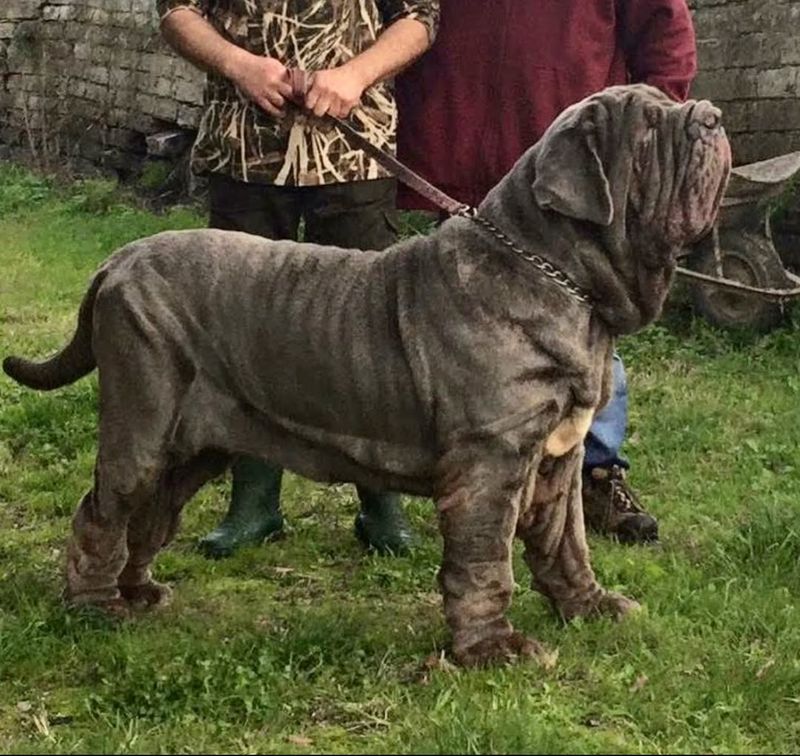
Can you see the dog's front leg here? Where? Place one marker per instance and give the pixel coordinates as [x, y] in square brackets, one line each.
[478, 497]
[555, 542]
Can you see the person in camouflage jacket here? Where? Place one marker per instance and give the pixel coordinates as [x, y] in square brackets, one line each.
[274, 165]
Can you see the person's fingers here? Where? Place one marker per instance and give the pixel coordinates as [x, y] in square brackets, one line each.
[312, 98]
[284, 86]
[323, 105]
[346, 108]
[333, 105]
[270, 108]
[276, 98]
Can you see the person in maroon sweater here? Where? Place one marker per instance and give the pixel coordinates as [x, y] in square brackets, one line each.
[497, 76]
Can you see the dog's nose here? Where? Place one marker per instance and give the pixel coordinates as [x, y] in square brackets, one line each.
[708, 115]
[705, 120]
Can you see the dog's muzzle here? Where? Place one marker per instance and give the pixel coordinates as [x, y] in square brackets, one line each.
[705, 122]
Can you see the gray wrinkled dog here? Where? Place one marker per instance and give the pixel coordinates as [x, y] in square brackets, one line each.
[448, 366]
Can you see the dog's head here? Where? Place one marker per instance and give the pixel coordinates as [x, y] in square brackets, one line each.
[637, 173]
[631, 154]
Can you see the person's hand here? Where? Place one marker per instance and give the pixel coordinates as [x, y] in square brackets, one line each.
[265, 81]
[335, 91]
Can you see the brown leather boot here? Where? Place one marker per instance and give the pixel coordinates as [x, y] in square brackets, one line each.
[611, 508]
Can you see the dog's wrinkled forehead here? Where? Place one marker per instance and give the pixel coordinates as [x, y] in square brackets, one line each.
[621, 103]
[571, 177]
[584, 162]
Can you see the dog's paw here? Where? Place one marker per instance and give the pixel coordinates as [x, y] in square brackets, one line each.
[499, 650]
[616, 605]
[116, 608]
[150, 595]
[595, 603]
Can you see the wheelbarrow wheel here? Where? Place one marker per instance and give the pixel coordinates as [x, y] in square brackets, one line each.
[750, 259]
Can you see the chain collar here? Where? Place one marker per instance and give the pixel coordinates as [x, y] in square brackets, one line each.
[538, 262]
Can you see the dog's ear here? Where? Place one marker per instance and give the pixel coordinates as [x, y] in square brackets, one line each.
[570, 178]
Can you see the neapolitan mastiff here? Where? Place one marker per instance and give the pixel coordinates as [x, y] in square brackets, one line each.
[448, 366]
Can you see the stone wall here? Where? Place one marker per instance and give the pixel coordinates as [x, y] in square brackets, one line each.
[749, 53]
[91, 78]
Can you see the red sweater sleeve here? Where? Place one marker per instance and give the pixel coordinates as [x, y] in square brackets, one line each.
[659, 42]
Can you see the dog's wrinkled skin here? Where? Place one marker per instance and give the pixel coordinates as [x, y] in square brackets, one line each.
[444, 366]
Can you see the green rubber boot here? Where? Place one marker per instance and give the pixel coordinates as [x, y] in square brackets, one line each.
[381, 525]
[255, 511]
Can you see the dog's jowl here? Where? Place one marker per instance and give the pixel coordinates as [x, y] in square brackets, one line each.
[455, 366]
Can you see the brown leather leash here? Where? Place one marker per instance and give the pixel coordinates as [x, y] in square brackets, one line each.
[301, 81]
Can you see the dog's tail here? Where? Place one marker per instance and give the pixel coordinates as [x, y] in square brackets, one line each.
[72, 362]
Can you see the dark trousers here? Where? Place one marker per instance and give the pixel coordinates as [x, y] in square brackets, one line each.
[356, 215]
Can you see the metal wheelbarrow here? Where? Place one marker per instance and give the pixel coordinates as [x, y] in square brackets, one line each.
[738, 277]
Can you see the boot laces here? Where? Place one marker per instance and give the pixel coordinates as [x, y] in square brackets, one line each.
[621, 498]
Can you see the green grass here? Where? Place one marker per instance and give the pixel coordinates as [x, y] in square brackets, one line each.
[308, 644]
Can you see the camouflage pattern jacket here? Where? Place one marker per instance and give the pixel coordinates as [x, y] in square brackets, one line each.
[238, 139]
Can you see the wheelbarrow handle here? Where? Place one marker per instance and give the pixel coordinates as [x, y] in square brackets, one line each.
[727, 283]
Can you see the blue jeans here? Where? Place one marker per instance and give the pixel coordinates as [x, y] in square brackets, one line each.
[604, 440]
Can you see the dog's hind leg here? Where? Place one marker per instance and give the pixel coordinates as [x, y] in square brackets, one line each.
[149, 530]
[97, 551]
[478, 495]
[139, 382]
[155, 523]
[551, 526]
